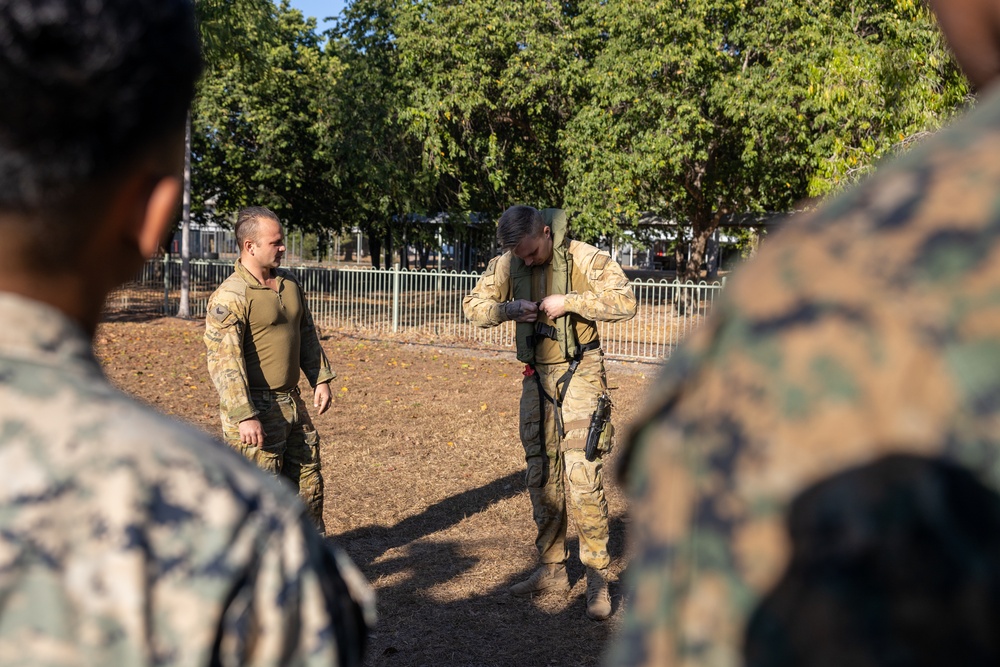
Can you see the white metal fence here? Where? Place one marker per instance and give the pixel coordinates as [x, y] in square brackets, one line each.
[421, 306]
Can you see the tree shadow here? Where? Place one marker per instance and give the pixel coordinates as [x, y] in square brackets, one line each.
[133, 314]
[438, 604]
[376, 540]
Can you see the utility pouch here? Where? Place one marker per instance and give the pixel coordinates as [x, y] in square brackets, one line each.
[532, 412]
[537, 474]
[531, 427]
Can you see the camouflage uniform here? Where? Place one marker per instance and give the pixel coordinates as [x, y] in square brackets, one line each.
[601, 291]
[871, 326]
[127, 538]
[254, 356]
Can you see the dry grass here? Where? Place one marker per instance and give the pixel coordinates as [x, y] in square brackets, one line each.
[424, 489]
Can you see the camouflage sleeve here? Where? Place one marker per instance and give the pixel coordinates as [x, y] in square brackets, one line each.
[225, 323]
[312, 358]
[483, 307]
[305, 604]
[610, 297]
[659, 470]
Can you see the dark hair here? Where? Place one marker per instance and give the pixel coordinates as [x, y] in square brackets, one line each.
[247, 223]
[893, 563]
[516, 223]
[88, 86]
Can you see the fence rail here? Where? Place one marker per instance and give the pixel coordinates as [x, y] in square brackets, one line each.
[422, 305]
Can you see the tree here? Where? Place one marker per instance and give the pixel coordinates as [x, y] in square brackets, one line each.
[230, 29]
[492, 85]
[827, 89]
[381, 178]
[706, 109]
[261, 128]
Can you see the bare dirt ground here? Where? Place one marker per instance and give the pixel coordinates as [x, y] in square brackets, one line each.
[424, 489]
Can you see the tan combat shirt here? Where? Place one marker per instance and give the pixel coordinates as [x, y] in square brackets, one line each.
[600, 292]
[259, 338]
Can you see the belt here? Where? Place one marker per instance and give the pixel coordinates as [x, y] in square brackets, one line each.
[294, 392]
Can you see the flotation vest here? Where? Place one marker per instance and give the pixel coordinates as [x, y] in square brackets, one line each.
[526, 334]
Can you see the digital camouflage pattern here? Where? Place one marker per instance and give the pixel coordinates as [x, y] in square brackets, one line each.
[871, 326]
[127, 538]
[600, 291]
[257, 339]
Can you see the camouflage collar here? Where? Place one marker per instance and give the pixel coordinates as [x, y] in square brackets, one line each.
[33, 330]
[251, 280]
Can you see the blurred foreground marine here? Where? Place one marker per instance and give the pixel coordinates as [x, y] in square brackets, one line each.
[126, 538]
[259, 332]
[869, 327]
[555, 289]
[892, 563]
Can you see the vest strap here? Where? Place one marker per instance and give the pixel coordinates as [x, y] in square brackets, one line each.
[562, 386]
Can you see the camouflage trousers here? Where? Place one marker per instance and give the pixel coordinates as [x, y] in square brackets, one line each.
[291, 446]
[561, 467]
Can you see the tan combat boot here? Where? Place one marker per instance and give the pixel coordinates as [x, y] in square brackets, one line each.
[550, 576]
[598, 598]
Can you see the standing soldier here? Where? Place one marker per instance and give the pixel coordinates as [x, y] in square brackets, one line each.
[555, 289]
[126, 537]
[259, 332]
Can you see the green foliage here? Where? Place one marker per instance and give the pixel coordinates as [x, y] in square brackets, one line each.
[651, 138]
[260, 128]
[828, 88]
[695, 112]
[493, 84]
[705, 109]
[382, 180]
[234, 29]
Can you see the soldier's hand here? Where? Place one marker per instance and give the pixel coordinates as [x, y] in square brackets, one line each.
[252, 432]
[521, 310]
[554, 305]
[322, 398]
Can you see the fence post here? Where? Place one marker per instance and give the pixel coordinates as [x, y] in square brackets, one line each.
[166, 283]
[395, 297]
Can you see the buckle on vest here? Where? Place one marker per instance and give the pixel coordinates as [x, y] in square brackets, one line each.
[546, 330]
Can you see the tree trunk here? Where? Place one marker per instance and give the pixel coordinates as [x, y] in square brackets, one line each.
[690, 270]
[404, 253]
[184, 307]
[348, 249]
[699, 243]
[375, 249]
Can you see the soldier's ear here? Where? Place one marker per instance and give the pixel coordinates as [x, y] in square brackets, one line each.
[159, 216]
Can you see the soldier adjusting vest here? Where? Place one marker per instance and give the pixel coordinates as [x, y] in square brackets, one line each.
[521, 278]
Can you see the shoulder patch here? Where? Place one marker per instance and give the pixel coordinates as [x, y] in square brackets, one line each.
[220, 316]
[601, 260]
[219, 312]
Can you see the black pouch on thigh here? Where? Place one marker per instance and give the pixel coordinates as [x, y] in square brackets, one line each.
[532, 434]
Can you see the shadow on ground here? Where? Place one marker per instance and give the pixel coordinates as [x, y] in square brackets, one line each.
[435, 610]
[133, 314]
